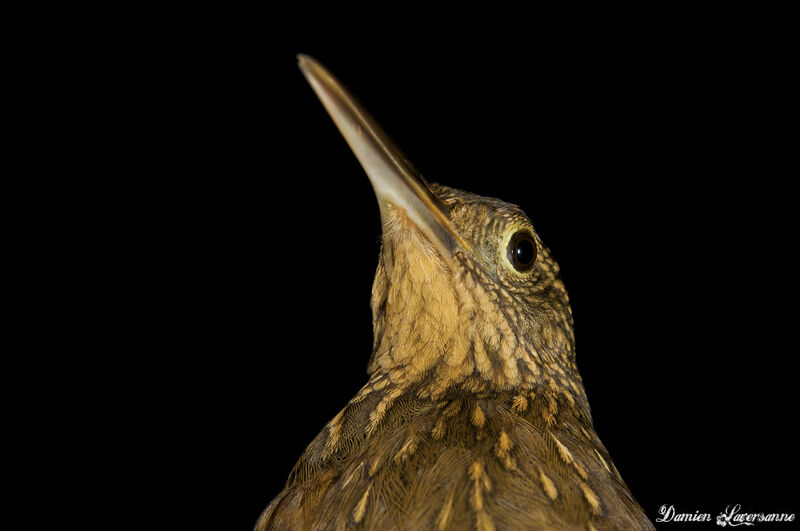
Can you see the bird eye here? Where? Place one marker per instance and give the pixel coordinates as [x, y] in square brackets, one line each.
[522, 251]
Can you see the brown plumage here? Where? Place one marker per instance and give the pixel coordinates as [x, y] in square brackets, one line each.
[474, 415]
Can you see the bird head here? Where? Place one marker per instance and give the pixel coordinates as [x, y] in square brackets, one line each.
[466, 295]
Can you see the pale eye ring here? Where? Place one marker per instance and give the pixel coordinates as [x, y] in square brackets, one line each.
[522, 251]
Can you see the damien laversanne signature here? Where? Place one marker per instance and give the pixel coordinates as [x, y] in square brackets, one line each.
[731, 516]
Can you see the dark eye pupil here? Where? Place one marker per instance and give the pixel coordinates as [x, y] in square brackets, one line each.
[522, 251]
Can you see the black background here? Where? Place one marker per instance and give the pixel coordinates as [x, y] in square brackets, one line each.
[653, 160]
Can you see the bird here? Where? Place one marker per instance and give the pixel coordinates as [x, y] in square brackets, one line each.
[474, 415]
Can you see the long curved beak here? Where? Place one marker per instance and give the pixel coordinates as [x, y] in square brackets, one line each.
[396, 182]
